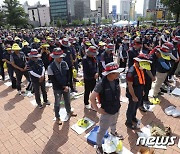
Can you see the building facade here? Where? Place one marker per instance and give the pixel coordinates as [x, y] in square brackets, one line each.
[105, 7]
[58, 10]
[38, 14]
[125, 9]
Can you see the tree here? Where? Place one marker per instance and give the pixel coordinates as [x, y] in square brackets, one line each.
[173, 6]
[2, 18]
[15, 14]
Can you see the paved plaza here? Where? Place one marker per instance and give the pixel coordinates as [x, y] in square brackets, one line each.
[24, 128]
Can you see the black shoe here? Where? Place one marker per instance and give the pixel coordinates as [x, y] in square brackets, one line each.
[47, 103]
[142, 109]
[40, 106]
[135, 120]
[131, 126]
[99, 150]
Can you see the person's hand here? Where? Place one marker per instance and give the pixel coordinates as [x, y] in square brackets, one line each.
[21, 69]
[25, 69]
[122, 59]
[135, 99]
[41, 79]
[96, 76]
[101, 111]
[143, 93]
[66, 89]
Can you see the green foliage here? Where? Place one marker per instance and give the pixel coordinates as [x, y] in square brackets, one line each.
[2, 18]
[61, 23]
[173, 6]
[106, 21]
[15, 15]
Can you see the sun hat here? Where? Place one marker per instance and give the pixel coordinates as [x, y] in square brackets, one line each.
[92, 51]
[112, 68]
[58, 53]
[16, 47]
[34, 54]
[64, 42]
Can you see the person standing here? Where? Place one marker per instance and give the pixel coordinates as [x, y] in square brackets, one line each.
[108, 91]
[37, 75]
[90, 73]
[1, 61]
[134, 91]
[58, 72]
[18, 61]
[6, 58]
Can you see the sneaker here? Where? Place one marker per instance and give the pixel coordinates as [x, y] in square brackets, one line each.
[19, 92]
[88, 106]
[131, 126]
[142, 109]
[40, 106]
[99, 150]
[58, 121]
[117, 135]
[47, 103]
[72, 114]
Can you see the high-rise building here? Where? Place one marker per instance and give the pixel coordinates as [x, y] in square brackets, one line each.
[125, 9]
[146, 7]
[105, 7]
[38, 14]
[58, 9]
[78, 9]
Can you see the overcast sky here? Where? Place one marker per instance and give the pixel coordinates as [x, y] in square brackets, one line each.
[139, 4]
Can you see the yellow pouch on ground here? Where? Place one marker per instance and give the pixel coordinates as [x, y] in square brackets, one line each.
[145, 65]
[155, 101]
[74, 73]
[165, 57]
[119, 146]
[83, 123]
[80, 83]
[5, 65]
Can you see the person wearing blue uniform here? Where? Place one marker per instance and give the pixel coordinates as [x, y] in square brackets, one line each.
[37, 74]
[108, 91]
[90, 69]
[58, 72]
[6, 58]
[18, 61]
[135, 89]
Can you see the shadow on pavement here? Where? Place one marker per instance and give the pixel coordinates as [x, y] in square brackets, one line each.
[58, 138]
[28, 125]
[10, 104]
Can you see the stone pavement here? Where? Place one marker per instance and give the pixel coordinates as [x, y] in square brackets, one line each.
[27, 129]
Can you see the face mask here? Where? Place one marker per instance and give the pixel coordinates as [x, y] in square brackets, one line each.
[165, 57]
[145, 65]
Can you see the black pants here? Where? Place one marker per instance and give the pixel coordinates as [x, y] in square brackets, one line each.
[11, 76]
[173, 69]
[123, 64]
[37, 87]
[131, 111]
[88, 88]
[2, 69]
[19, 75]
[71, 78]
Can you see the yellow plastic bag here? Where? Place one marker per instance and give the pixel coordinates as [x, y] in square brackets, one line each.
[5, 65]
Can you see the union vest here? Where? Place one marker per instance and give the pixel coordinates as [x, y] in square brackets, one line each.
[60, 75]
[36, 67]
[20, 60]
[138, 88]
[109, 99]
[107, 58]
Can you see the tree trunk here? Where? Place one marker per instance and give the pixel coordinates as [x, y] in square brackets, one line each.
[177, 18]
